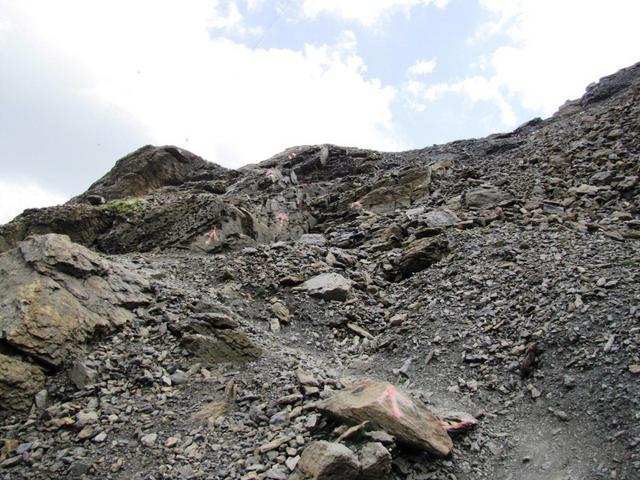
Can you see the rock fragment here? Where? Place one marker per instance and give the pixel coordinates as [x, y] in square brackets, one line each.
[375, 461]
[329, 286]
[486, 197]
[324, 460]
[422, 254]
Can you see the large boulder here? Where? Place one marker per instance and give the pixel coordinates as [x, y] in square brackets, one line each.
[329, 286]
[388, 408]
[55, 295]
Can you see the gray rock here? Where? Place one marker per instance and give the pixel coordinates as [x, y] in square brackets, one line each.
[375, 461]
[224, 346]
[81, 375]
[329, 286]
[179, 377]
[42, 399]
[86, 418]
[78, 469]
[313, 239]
[486, 197]
[149, 440]
[324, 460]
[440, 218]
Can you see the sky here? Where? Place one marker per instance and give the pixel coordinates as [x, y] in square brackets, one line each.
[84, 82]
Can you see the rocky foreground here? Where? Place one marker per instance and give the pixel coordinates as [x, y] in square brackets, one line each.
[464, 311]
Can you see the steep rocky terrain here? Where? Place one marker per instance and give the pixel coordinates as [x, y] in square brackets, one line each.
[182, 320]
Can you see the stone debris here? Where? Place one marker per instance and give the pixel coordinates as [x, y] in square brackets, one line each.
[496, 276]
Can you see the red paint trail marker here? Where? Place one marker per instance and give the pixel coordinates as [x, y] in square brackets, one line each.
[211, 235]
[394, 397]
[458, 426]
[269, 174]
[282, 217]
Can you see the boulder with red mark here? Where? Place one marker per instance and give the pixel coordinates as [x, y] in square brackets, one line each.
[392, 410]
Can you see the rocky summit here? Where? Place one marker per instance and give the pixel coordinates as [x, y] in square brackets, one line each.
[463, 311]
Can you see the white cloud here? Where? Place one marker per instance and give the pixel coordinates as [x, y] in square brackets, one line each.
[558, 47]
[476, 89]
[551, 51]
[422, 67]
[366, 12]
[157, 61]
[17, 195]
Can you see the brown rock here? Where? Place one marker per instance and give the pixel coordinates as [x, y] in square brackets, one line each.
[305, 378]
[390, 193]
[148, 169]
[224, 346]
[422, 254]
[281, 311]
[55, 294]
[392, 410]
[19, 382]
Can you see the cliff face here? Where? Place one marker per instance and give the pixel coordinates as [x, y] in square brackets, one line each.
[498, 276]
[584, 158]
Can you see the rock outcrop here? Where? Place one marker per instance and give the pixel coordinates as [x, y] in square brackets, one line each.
[149, 168]
[55, 296]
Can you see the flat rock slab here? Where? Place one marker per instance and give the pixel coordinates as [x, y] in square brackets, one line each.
[223, 346]
[487, 197]
[392, 410]
[329, 286]
[440, 218]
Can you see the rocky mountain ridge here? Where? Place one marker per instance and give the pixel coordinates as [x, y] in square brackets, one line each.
[219, 310]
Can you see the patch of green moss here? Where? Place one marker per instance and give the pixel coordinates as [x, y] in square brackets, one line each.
[123, 207]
